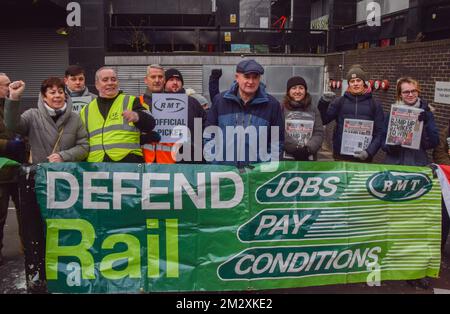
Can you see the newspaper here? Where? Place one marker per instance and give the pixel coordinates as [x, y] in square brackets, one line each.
[356, 136]
[404, 127]
[300, 130]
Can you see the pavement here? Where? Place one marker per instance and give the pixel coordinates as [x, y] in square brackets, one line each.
[12, 272]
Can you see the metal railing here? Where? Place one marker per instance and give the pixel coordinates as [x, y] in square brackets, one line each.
[156, 39]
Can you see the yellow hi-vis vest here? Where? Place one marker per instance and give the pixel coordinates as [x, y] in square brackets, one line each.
[114, 136]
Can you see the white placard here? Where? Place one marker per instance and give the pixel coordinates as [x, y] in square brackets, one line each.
[404, 127]
[263, 22]
[78, 103]
[442, 93]
[170, 112]
[356, 136]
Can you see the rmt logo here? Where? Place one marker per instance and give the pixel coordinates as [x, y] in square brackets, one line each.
[74, 17]
[374, 14]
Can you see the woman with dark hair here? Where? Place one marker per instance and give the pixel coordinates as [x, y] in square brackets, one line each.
[303, 125]
[408, 92]
[56, 134]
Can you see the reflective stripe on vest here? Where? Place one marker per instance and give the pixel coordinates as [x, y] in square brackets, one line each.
[161, 153]
[113, 136]
[141, 100]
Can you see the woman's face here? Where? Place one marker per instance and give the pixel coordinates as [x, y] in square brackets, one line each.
[409, 93]
[55, 97]
[297, 93]
[356, 86]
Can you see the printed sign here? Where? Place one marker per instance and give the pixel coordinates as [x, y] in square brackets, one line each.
[404, 127]
[442, 93]
[170, 113]
[115, 227]
[227, 36]
[356, 136]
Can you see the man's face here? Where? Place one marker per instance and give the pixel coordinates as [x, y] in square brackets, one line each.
[173, 85]
[4, 86]
[75, 83]
[155, 80]
[107, 84]
[248, 83]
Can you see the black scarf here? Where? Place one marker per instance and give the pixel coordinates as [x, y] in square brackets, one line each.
[298, 105]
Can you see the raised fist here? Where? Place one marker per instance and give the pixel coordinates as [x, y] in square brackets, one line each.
[16, 90]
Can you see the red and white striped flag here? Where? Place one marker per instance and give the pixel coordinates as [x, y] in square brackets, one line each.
[444, 178]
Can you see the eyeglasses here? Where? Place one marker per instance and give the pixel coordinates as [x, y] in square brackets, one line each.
[409, 92]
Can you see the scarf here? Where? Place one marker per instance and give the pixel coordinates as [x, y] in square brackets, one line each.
[296, 105]
[416, 105]
[55, 114]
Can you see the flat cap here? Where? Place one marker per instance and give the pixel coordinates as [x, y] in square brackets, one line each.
[249, 66]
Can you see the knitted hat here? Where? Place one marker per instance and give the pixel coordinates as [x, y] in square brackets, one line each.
[294, 81]
[173, 73]
[356, 72]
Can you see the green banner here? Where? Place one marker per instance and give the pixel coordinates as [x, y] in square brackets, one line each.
[132, 227]
[5, 162]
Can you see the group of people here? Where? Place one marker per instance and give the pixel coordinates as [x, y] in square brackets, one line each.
[117, 127]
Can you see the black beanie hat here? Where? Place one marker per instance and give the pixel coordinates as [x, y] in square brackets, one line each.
[173, 73]
[296, 80]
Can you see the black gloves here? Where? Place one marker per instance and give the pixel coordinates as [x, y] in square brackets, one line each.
[151, 137]
[324, 102]
[394, 149]
[216, 73]
[423, 116]
[301, 153]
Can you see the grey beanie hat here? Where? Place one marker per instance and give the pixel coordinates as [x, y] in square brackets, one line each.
[356, 72]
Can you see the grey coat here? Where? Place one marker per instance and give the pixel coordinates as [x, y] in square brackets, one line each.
[43, 132]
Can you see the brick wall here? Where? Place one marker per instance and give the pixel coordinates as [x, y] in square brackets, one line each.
[427, 62]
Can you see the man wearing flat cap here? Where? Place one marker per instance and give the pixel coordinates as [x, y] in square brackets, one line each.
[255, 115]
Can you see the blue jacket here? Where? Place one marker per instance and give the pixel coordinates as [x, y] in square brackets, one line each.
[213, 87]
[363, 107]
[263, 110]
[413, 157]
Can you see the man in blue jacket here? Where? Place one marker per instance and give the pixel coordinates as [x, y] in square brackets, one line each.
[356, 104]
[249, 122]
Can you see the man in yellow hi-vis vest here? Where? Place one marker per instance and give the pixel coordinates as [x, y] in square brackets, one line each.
[114, 122]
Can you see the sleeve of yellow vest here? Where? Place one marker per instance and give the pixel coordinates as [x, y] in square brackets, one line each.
[146, 121]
